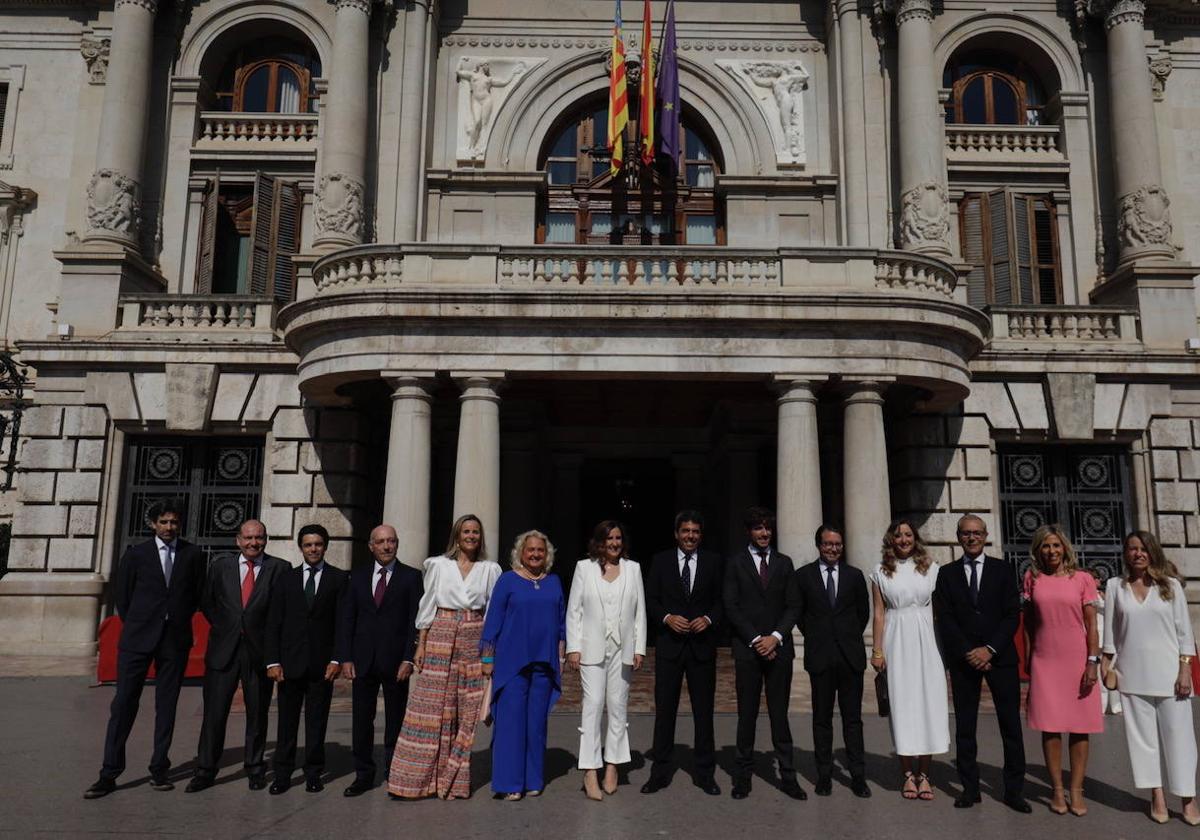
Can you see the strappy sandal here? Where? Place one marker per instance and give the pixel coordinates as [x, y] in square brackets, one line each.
[924, 788]
[909, 789]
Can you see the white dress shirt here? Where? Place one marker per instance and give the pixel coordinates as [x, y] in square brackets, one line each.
[758, 561]
[837, 572]
[447, 589]
[166, 550]
[978, 570]
[242, 568]
[694, 564]
[386, 571]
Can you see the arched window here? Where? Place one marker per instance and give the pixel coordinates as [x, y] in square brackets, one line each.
[662, 205]
[270, 76]
[989, 87]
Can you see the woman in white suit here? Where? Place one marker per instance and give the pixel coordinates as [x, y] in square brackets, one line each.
[606, 641]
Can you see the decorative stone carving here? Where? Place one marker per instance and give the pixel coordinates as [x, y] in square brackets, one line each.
[777, 88]
[339, 205]
[1145, 218]
[1160, 68]
[95, 56]
[925, 217]
[363, 6]
[697, 45]
[113, 203]
[483, 86]
[150, 6]
[14, 201]
[906, 10]
[1116, 12]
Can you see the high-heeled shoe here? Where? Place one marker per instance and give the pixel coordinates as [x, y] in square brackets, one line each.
[1190, 820]
[611, 789]
[1078, 808]
[1060, 796]
[1158, 817]
[591, 786]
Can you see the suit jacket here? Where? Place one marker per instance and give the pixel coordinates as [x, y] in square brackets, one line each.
[148, 606]
[752, 610]
[665, 596]
[992, 620]
[585, 613]
[384, 636]
[222, 606]
[301, 638]
[832, 633]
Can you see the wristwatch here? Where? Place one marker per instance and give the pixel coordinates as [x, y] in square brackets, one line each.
[1093, 660]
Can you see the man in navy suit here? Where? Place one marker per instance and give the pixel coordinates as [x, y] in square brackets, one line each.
[683, 598]
[157, 590]
[377, 639]
[301, 630]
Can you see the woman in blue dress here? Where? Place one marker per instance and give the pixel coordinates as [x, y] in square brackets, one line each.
[522, 643]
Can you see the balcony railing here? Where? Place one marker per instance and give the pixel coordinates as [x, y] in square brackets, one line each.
[223, 316]
[222, 128]
[1004, 141]
[1092, 324]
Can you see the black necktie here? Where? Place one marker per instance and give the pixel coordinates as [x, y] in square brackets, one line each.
[830, 590]
[974, 581]
[686, 575]
[310, 586]
[763, 573]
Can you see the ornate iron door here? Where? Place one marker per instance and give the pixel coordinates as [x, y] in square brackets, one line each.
[1083, 488]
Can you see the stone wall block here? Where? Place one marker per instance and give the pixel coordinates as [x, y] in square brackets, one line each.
[341, 425]
[283, 456]
[340, 553]
[27, 553]
[333, 489]
[42, 421]
[1189, 464]
[48, 454]
[974, 432]
[1171, 432]
[289, 488]
[36, 487]
[89, 454]
[74, 553]
[922, 430]
[333, 519]
[82, 521]
[924, 495]
[40, 520]
[295, 424]
[85, 421]
[929, 462]
[1175, 496]
[1191, 527]
[1171, 529]
[278, 521]
[990, 399]
[333, 457]
[79, 487]
[1196, 434]
[1165, 463]
[970, 496]
[978, 461]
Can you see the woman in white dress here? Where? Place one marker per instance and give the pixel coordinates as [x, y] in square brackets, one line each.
[606, 641]
[905, 648]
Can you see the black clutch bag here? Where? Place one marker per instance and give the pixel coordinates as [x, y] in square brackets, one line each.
[881, 693]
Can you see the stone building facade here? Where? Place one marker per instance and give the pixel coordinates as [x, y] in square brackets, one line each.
[360, 261]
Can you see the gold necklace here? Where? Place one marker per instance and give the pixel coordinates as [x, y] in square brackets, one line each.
[536, 581]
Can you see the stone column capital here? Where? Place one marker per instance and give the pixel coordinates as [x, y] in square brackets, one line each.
[409, 385]
[363, 6]
[910, 10]
[864, 391]
[1116, 12]
[479, 385]
[796, 388]
[150, 6]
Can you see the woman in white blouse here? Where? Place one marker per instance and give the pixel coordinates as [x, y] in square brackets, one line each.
[433, 752]
[1148, 642]
[606, 641]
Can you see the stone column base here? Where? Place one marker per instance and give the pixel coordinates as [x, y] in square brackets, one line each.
[49, 615]
[1164, 294]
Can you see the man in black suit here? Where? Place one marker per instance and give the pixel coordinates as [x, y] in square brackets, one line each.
[977, 604]
[301, 631]
[834, 611]
[683, 598]
[157, 589]
[377, 639]
[761, 607]
[237, 595]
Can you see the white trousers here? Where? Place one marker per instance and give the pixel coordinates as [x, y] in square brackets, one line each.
[606, 684]
[1161, 725]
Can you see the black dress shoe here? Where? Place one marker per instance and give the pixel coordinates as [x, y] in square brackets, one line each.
[824, 786]
[358, 788]
[653, 785]
[792, 789]
[161, 782]
[966, 800]
[1018, 804]
[313, 784]
[197, 784]
[859, 788]
[740, 790]
[258, 781]
[279, 786]
[101, 787]
[709, 786]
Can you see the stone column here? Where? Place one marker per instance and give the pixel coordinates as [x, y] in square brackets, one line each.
[412, 119]
[114, 193]
[406, 488]
[866, 488]
[924, 202]
[798, 470]
[1144, 216]
[853, 190]
[477, 467]
[340, 197]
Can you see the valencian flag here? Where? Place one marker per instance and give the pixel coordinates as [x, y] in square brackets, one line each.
[618, 99]
[668, 91]
[646, 114]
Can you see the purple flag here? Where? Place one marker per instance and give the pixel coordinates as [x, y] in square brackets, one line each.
[669, 143]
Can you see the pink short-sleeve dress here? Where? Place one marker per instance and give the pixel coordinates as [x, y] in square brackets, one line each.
[1056, 625]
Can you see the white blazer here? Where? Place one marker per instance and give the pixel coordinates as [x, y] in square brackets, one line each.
[585, 613]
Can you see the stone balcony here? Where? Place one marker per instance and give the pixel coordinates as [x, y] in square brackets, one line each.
[196, 318]
[1101, 327]
[1002, 146]
[224, 133]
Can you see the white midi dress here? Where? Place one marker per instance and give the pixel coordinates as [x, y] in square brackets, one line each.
[916, 676]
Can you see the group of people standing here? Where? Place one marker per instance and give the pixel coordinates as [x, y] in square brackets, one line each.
[478, 643]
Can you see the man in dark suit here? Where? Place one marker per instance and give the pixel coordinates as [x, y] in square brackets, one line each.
[834, 610]
[683, 598]
[301, 631]
[377, 639]
[157, 590]
[977, 604]
[761, 607]
[237, 595]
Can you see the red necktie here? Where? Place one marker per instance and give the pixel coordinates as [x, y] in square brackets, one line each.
[380, 588]
[764, 574]
[248, 584]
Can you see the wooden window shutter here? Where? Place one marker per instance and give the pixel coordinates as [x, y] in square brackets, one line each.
[262, 234]
[971, 232]
[210, 209]
[287, 240]
[1000, 262]
[1023, 247]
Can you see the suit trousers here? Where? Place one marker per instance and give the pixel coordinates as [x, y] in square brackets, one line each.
[220, 685]
[314, 694]
[668, 685]
[845, 684]
[750, 676]
[169, 663]
[1005, 686]
[364, 695]
[1161, 726]
[605, 684]
[522, 711]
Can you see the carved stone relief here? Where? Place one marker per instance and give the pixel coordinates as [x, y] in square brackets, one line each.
[339, 205]
[1160, 68]
[483, 86]
[95, 56]
[777, 88]
[113, 203]
[925, 217]
[1145, 218]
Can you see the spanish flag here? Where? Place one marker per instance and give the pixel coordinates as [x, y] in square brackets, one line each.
[618, 99]
[646, 115]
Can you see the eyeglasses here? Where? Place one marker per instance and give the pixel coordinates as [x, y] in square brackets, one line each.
[972, 533]
[834, 546]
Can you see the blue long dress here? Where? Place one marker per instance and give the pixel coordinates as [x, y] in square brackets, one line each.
[524, 625]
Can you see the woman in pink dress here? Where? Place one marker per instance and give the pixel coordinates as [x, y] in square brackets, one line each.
[1064, 660]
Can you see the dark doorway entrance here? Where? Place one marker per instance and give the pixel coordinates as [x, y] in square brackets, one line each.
[638, 492]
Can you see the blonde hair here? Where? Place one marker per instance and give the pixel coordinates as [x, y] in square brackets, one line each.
[1161, 570]
[456, 532]
[514, 559]
[1070, 563]
[920, 555]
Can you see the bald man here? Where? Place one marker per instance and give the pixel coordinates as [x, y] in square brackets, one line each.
[237, 593]
[377, 638]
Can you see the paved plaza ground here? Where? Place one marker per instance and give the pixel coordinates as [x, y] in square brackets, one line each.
[53, 727]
